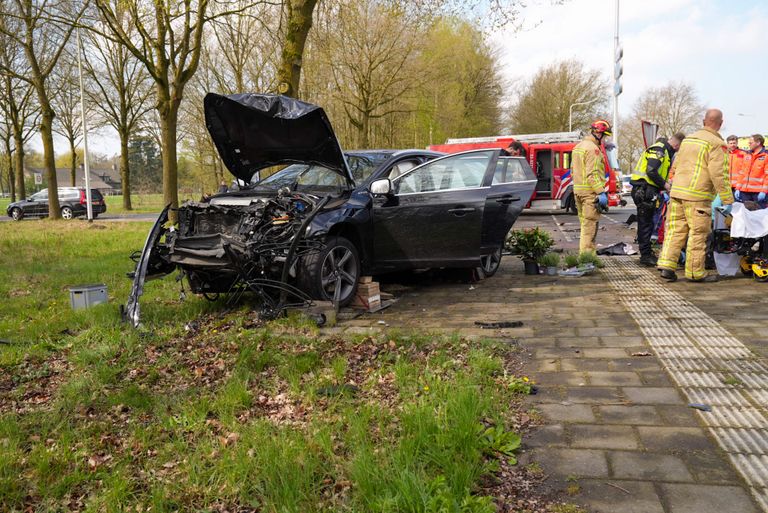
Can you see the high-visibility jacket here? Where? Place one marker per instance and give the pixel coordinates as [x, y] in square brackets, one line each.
[588, 168]
[700, 170]
[658, 152]
[736, 166]
[753, 177]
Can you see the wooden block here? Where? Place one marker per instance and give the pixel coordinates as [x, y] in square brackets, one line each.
[366, 279]
[368, 289]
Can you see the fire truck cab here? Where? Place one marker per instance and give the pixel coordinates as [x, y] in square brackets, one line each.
[550, 158]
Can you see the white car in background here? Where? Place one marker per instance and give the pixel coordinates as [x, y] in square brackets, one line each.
[626, 186]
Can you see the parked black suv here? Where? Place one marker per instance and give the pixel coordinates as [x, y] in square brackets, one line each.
[71, 201]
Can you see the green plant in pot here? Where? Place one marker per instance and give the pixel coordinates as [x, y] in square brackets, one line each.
[550, 262]
[530, 244]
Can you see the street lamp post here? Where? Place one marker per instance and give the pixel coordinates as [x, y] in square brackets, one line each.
[86, 168]
[570, 112]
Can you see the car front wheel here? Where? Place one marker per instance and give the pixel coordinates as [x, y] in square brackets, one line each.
[66, 212]
[332, 273]
[17, 214]
[489, 264]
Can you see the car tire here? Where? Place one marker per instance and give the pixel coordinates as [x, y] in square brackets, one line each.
[67, 213]
[336, 265]
[17, 214]
[570, 205]
[490, 263]
[95, 215]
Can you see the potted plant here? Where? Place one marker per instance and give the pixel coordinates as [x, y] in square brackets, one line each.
[571, 260]
[530, 245]
[550, 263]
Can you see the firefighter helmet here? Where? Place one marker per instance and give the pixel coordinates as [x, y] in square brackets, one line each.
[601, 126]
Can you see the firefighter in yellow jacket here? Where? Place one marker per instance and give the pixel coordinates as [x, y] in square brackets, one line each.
[699, 173]
[589, 183]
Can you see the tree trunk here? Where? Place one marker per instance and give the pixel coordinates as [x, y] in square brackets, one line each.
[125, 175]
[299, 22]
[168, 127]
[46, 122]
[73, 164]
[11, 174]
[18, 140]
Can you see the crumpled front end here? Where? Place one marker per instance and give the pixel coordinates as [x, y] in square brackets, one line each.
[230, 247]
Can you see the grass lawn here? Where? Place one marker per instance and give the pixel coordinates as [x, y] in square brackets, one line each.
[209, 409]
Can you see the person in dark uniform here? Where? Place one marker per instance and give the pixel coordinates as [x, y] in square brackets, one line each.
[649, 185]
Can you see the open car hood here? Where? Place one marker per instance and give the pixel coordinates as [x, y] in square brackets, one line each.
[254, 131]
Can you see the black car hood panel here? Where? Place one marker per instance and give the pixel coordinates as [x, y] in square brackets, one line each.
[254, 131]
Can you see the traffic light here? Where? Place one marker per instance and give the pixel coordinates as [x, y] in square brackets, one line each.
[618, 71]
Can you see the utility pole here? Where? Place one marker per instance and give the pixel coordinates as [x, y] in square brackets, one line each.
[618, 71]
[87, 169]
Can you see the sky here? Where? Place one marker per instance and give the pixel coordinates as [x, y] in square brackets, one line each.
[718, 46]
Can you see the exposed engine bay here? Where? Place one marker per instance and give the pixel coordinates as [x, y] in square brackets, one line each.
[232, 245]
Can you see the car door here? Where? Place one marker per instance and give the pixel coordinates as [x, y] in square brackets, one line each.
[512, 186]
[39, 203]
[434, 216]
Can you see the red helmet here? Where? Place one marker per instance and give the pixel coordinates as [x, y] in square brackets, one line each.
[601, 126]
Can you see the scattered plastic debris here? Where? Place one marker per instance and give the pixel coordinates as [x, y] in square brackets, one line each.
[642, 353]
[620, 248]
[700, 406]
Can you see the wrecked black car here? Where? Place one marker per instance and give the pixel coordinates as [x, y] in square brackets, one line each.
[310, 230]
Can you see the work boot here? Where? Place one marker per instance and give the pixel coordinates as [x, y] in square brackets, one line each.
[668, 275]
[710, 278]
[648, 260]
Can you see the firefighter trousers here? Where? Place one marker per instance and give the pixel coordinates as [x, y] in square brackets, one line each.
[688, 222]
[588, 221]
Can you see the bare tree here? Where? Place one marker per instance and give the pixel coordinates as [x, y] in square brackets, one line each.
[372, 63]
[675, 107]
[168, 43]
[42, 30]
[544, 102]
[122, 94]
[298, 22]
[66, 103]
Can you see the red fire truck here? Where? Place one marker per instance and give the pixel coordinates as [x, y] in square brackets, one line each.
[550, 157]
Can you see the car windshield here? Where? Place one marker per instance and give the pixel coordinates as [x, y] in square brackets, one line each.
[362, 165]
[304, 177]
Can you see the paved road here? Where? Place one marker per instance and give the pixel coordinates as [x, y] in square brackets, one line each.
[619, 356]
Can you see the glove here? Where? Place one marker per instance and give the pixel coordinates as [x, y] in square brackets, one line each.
[664, 197]
[761, 197]
[602, 199]
[737, 195]
[727, 209]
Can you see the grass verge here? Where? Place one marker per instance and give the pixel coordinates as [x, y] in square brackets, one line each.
[211, 411]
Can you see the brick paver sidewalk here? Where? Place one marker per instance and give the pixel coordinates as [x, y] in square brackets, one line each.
[620, 435]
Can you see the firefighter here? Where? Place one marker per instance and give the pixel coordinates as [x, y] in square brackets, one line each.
[589, 183]
[515, 149]
[649, 184]
[698, 174]
[735, 161]
[753, 184]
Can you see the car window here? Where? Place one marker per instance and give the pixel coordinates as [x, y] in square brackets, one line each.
[401, 168]
[456, 172]
[510, 170]
[39, 196]
[96, 195]
[362, 165]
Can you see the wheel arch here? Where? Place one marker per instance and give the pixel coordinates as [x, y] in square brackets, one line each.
[352, 234]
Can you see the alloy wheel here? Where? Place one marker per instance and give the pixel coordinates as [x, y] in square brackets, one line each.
[66, 213]
[16, 214]
[339, 273]
[490, 263]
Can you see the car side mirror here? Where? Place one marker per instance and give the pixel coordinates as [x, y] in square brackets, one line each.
[381, 187]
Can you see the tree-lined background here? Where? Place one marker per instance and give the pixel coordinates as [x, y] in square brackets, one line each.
[389, 73]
